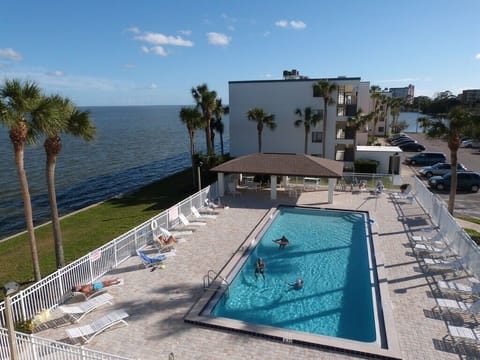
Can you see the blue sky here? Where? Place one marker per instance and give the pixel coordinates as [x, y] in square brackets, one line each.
[152, 52]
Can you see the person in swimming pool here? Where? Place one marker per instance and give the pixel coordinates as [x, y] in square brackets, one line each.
[282, 242]
[297, 285]
[259, 268]
[89, 289]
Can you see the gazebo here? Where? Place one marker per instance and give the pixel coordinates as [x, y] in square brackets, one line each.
[282, 165]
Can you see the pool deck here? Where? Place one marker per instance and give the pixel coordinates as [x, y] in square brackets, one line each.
[158, 301]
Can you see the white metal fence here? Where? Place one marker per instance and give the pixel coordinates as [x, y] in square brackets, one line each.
[50, 291]
[457, 239]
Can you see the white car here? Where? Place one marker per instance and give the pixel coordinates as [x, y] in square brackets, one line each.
[469, 143]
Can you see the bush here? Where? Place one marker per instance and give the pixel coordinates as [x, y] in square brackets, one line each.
[366, 166]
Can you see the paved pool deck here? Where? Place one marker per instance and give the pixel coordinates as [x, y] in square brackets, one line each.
[158, 301]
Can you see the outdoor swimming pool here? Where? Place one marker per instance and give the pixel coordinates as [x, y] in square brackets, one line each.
[331, 251]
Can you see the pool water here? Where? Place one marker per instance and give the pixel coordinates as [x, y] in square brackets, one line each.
[329, 251]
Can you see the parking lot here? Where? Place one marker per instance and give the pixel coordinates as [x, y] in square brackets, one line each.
[466, 203]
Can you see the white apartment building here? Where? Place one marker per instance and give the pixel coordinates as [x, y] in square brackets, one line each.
[282, 98]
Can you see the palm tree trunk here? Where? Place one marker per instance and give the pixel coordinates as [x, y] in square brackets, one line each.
[324, 135]
[209, 134]
[259, 141]
[306, 142]
[52, 197]
[27, 204]
[221, 144]
[453, 181]
[192, 153]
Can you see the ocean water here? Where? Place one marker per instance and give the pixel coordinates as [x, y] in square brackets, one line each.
[135, 145]
[411, 119]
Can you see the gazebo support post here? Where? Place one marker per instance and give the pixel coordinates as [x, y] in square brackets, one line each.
[221, 184]
[273, 187]
[331, 188]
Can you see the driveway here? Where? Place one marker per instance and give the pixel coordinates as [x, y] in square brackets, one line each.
[466, 203]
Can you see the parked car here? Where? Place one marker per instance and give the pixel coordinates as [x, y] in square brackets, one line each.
[467, 180]
[439, 169]
[411, 147]
[403, 141]
[468, 143]
[426, 158]
[396, 136]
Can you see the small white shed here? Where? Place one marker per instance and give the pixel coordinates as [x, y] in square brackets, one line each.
[382, 154]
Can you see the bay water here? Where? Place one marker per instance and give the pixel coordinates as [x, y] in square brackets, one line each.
[134, 146]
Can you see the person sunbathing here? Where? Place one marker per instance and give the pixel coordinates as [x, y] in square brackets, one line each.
[166, 242]
[89, 289]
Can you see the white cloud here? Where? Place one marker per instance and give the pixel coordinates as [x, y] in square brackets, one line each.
[215, 38]
[133, 29]
[10, 54]
[298, 24]
[294, 24]
[477, 56]
[231, 27]
[158, 50]
[185, 32]
[145, 49]
[153, 86]
[160, 39]
[56, 73]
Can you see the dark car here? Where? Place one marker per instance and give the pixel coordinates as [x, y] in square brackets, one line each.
[411, 147]
[440, 169]
[426, 158]
[466, 180]
[395, 137]
[402, 140]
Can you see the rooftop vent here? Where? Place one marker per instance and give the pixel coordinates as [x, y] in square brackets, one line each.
[291, 74]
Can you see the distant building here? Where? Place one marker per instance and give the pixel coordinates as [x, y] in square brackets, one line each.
[470, 96]
[282, 98]
[406, 93]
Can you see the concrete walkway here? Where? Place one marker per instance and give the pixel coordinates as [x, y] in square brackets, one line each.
[157, 301]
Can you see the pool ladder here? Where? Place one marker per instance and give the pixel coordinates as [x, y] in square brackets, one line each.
[213, 277]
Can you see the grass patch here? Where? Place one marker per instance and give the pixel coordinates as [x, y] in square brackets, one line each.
[469, 219]
[91, 228]
[474, 234]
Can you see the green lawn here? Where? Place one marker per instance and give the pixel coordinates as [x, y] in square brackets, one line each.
[91, 228]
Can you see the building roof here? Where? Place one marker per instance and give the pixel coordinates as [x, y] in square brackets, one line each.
[282, 164]
[389, 149]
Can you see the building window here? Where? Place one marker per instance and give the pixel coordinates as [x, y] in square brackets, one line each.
[381, 129]
[317, 136]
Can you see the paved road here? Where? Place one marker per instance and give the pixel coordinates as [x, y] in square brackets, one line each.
[466, 204]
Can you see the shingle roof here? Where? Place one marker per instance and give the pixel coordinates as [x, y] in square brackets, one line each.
[282, 164]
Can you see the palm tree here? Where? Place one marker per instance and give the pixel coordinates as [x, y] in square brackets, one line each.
[262, 119]
[324, 89]
[72, 121]
[192, 118]
[308, 120]
[376, 96]
[459, 121]
[21, 113]
[206, 101]
[217, 124]
[395, 112]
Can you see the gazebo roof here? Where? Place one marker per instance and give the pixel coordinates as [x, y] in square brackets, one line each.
[283, 164]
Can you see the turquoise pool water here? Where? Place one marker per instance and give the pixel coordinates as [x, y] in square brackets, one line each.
[329, 251]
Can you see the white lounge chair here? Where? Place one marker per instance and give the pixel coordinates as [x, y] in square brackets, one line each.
[457, 288]
[435, 239]
[79, 310]
[441, 265]
[432, 251]
[198, 215]
[458, 306]
[186, 222]
[168, 233]
[463, 335]
[87, 332]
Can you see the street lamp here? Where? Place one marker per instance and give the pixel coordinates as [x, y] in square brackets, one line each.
[8, 289]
